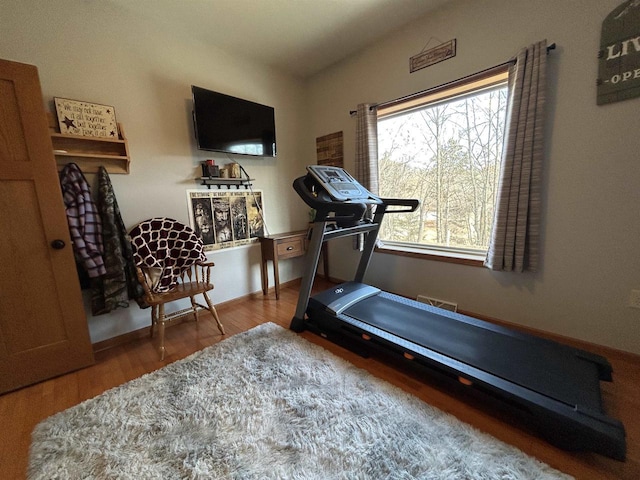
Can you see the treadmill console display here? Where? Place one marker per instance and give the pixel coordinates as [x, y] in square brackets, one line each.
[338, 183]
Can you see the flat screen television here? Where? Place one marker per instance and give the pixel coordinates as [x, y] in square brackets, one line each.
[232, 125]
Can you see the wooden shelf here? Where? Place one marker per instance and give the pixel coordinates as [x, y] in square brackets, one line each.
[90, 153]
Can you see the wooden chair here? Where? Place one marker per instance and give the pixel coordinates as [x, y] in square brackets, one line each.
[171, 265]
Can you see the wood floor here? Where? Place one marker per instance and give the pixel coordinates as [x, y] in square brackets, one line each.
[21, 410]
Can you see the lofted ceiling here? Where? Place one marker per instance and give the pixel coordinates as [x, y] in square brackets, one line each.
[300, 37]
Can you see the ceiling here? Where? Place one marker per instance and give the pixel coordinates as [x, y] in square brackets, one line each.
[300, 37]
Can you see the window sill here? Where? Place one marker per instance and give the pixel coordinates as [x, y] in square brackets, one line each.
[471, 259]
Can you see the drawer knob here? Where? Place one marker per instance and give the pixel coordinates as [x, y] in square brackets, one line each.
[289, 248]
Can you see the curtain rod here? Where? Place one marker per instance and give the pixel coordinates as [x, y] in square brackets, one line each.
[353, 112]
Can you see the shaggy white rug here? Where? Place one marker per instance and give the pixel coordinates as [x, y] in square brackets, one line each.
[267, 404]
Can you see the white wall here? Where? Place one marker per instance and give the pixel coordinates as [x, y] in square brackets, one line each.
[96, 52]
[591, 180]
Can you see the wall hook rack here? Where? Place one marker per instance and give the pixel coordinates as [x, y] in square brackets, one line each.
[225, 182]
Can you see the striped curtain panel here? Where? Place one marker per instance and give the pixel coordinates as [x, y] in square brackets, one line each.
[367, 147]
[516, 224]
[366, 157]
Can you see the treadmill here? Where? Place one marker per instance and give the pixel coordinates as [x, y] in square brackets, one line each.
[552, 388]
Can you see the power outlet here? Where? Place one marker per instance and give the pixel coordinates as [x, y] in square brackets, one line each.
[634, 299]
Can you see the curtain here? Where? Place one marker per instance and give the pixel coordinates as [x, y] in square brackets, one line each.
[366, 156]
[516, 224]
[367, 147]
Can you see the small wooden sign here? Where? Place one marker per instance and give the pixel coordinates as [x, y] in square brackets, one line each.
[86, 119]
[432, 56]
[329, 150]
[619, 55]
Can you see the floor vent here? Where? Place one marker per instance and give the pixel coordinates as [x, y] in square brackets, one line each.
[434, 302]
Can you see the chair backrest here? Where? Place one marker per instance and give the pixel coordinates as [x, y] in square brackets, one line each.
[167, 247]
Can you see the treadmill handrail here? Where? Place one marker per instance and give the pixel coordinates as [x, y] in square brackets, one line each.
[350, 210]
[411, 204]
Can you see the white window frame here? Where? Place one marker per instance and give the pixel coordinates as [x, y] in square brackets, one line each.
[472, 84]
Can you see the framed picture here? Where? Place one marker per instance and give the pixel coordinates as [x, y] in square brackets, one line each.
[86, 119]
[226, 218]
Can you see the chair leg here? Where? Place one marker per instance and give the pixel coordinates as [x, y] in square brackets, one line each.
[161, 329]
[194, 306]
[154, 319]
[212, 309]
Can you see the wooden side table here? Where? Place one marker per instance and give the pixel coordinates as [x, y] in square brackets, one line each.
[281, 246]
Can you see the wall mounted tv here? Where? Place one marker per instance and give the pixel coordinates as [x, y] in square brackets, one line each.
[232, 125]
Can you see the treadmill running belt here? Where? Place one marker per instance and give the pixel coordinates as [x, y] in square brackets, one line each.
[544, 367]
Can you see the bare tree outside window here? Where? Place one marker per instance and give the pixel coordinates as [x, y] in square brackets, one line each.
[447, 154]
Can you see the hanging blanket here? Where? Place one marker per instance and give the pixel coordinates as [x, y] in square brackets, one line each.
[166, 247]
[83, 219]
[120, 283]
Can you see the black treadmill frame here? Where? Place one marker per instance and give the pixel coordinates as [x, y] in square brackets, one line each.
[566, 426]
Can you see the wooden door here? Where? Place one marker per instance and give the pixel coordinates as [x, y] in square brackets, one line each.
[43, 326]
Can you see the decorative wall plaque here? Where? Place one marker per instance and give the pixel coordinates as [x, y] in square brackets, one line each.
[86, 119]
[329, 150]
[426, 58]
[226, 218]
[619, 55]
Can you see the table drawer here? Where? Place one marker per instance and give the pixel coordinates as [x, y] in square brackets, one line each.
[289, 248]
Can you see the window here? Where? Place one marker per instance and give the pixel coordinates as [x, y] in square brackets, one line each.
[444, 148]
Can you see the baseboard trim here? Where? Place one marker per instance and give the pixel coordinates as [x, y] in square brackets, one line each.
[120, 339]
[607, 352]
[145, 333]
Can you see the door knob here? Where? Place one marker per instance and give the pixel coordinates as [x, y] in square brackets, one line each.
[58, 244]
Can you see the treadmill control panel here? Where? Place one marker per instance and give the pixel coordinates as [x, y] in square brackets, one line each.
[338, 183]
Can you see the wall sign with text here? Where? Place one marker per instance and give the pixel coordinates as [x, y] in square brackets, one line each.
[619, 55]
[426, 58]
[86, 119]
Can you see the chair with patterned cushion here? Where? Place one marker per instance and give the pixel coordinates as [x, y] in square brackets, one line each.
[171, 265]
